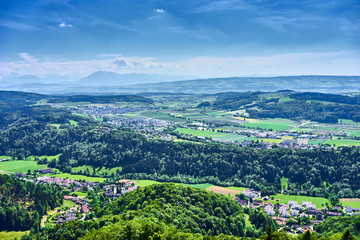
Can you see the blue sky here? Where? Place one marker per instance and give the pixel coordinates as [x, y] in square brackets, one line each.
[188, 37]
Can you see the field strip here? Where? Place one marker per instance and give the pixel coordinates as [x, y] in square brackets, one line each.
[350, 200]
[222, 190]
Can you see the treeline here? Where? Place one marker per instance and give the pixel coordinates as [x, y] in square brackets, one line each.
[325, 97]
[298, 109]
[166, 211]
[169, 211]
[101, 99]
[23, 203]
[234, 100]
[215, 163]
[335, 225]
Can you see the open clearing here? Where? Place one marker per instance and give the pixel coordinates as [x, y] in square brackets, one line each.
[342, 142]
[274, 124]
[20, 166]
[12, 234]
[352, 202]
[222, 190]
[77, 177]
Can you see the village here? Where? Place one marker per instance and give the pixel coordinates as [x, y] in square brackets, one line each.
[77, 203]
[293, 217]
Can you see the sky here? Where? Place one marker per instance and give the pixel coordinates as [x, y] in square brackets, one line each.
[223, 38]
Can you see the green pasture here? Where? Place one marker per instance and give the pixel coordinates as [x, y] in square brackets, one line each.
[68, 204]
[316, 141]
[78, 177]
[200, 185]
[162, 116]
[342, 142]
[318, 201]
[12, 234]
[354, 204]
[241, 189]
[270, 140]
[101, 171]
[200, 133]
[274, 124]
[20, 166]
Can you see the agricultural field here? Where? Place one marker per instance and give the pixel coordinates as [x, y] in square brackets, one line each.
[215, 135]
[316, 141]
[240, 189]
[20, 166]
[162, 116]
[352, 202]
[318, 201]
[68, 204]
[343, 142]
[5, 235]
[103, 170]
[269, 140]
[222, 190]
[274, 124]
[77, 177]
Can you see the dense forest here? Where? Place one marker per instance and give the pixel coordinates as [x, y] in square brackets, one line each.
[23, 203]
[335, 98]
[169, 211]
[179, 161]
[175, 211]
[299, 109]
[338, 224]
[342, 107]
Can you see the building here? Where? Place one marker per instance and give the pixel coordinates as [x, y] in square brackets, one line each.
[45, 171]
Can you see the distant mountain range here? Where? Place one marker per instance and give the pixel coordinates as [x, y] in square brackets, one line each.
[113, 83]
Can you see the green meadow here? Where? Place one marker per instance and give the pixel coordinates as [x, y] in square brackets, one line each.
[78, 177]
[342, 142]
[12, 234]
[274, 124]
[354, 204]
[21, 166]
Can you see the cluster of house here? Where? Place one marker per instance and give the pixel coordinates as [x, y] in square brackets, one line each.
[282, 213]
[106, 109]
[120, 188]
[66, 183]
[80, 204]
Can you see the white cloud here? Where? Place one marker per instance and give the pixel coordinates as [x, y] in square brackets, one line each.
[326, 63]
[159, 10]
[65, 25]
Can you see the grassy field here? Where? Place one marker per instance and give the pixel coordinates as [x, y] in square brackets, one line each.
[162, 116]
[343, 142]
[78, 177]
[200, 185]
[222, 190]
[144, 183]
[12, 234]
[274, 124]
[269, 140]
[215, 135]
[354, 204]
[102, 170]
[240, 189]
[67, 204]
[81, 194]
[318, 201]
[21, 166]
[316, 141]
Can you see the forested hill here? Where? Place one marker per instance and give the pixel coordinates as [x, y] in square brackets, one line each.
[23, 204]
